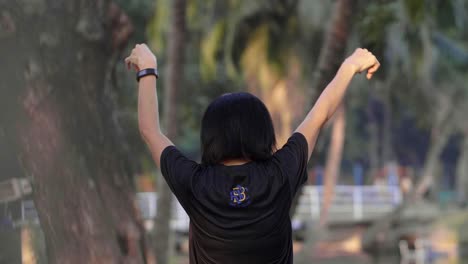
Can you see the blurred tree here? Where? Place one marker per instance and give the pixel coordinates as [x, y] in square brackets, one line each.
[61, 57]
[331, 57]
[462, 171]
[266, 43]
[408, 36]
[438, 82]
[260, 45]
[429, 86]
[173, 82]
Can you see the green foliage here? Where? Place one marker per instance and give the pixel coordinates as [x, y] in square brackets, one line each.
[375, 20]
[280, 20]
[415, 10]
[158, 26]
[140, 11]
[374, 24]
[443, 14]
[211, 48]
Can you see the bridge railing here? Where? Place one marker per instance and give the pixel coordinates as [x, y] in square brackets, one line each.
[147, 203]
[349, 203]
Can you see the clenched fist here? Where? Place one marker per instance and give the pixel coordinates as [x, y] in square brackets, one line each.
[362, 60]
[141, 58]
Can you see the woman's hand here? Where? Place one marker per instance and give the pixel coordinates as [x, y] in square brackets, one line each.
[141, 58]
[362, 60]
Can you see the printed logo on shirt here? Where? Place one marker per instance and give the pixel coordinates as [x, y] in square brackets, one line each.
[239, 196]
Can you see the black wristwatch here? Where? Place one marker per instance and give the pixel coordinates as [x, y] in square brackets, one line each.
[146, 72]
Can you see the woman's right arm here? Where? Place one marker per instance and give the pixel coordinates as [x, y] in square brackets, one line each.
[148, 110]
[361, 60]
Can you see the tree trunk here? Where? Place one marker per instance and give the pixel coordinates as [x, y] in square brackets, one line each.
[173, 82]
[442, 125]
[10, 211]
[60, 58]
[10, 246]
[440, 134]
[334, 45]
[332, 167]
[331, 56]
[462, 171]
[330, 59]
[373, 131]
[388, 154]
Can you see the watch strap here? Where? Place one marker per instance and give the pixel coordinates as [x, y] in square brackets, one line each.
[146, 72]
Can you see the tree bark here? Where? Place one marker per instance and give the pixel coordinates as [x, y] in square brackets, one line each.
[60, 58]
[173, 82]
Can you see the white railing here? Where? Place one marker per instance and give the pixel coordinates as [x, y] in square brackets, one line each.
[350, 203]
[14, 189]
[147, 202]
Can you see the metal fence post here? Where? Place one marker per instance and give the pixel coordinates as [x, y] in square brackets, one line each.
[357, 203]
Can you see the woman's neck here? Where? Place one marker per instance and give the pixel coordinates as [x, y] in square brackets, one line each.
[234, 162]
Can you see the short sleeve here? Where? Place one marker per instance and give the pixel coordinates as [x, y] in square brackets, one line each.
[177, 170]
[293, 157]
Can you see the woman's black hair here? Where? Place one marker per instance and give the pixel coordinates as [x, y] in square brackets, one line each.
[236, 126]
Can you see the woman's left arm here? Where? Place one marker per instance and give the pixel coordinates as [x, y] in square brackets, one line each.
[148, 113]
[361, 60]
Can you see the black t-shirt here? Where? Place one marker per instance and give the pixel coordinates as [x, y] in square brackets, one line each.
[239, 214]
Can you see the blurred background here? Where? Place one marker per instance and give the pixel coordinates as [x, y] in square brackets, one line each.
[388, 180]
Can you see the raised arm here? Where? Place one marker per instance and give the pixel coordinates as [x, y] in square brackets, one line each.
[148, 113]
[361, 60]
